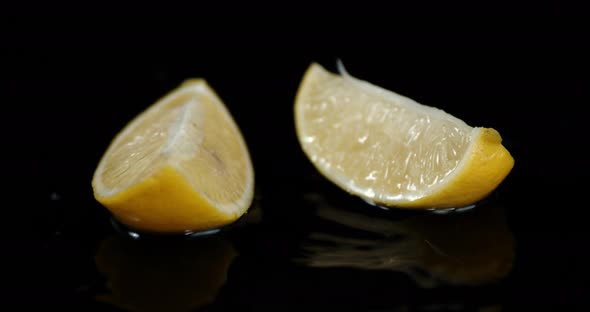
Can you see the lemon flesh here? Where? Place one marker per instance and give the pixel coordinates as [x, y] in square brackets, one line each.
[392, 151]
[181, 165]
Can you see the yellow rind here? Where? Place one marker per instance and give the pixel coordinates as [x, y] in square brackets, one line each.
[486, 165]
[166, 202]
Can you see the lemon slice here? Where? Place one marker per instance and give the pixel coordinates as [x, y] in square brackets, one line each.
[181, 165]
[392, 151]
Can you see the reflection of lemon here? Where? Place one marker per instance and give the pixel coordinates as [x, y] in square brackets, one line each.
[469, 248]
[167, 276]
[390, 150]
[181, 165]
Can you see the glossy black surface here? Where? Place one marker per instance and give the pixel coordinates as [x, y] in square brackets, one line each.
[304, 245]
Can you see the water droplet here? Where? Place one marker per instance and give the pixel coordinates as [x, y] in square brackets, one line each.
[372, 176]
[190, 234]
[363, 139]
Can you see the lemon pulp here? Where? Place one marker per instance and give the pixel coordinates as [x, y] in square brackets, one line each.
[391, 150]
[181, 165]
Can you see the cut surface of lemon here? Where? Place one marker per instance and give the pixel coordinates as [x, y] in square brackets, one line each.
[181, 165]
[392, 151]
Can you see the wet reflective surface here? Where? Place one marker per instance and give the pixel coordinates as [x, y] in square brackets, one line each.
[324, 248]
[162, 276]
[305, 245]
[464, 248]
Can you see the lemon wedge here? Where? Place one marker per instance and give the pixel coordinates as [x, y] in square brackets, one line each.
[392, 151]
[181, 165]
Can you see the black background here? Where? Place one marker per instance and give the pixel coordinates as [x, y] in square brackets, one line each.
[70, 84]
